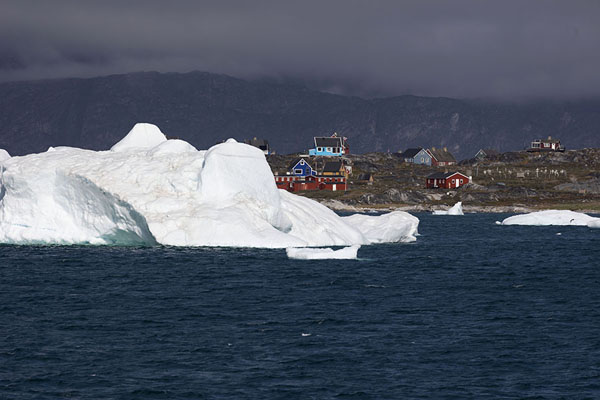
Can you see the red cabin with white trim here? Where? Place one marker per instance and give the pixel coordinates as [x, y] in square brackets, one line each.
[447, 180]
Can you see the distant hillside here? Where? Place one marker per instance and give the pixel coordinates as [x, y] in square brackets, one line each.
[205, 108]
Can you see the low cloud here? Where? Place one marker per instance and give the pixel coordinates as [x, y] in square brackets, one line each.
[508, 49]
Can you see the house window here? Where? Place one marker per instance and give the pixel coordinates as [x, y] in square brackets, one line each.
[453, 180]
[329, 149]
[461, 181]
[301, 162]
[422, 159]
[297, 171]
[319, 149]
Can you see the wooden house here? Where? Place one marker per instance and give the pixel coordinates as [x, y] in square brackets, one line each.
[332, 182]
[332, 168]
[333, 145]
[441, 157]
[366, 178]
[260, 143]
[408, 155]
[482, 154]
[446, 180]
[546, 145]
[301, 167]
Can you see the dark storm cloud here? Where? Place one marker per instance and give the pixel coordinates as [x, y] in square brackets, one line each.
[474, 48]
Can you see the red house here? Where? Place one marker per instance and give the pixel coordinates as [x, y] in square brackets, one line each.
[446, 180]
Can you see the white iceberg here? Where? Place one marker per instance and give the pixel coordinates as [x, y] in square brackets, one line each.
[454, 210]
[4, 155]
[154, 190]
[141, 136]
[551, 217]
[309, 253]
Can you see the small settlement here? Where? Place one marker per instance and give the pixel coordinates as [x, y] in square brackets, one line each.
[303, 174]
[326, 166]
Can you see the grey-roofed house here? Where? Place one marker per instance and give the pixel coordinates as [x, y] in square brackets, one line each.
[260, 143]
[333, 145]
[409, 154]
[441, 157]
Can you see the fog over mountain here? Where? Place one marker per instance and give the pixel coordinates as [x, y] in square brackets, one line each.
[510, 49]
[205, 108]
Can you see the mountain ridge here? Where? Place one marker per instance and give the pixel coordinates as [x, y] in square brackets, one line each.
[205, 108]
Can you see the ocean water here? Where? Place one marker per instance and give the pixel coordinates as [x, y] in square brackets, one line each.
[471, 310]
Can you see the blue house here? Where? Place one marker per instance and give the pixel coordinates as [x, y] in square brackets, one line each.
[330, 146]
[299, 167]
[422, 157]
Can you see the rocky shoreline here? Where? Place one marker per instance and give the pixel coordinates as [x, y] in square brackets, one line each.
[507, 183]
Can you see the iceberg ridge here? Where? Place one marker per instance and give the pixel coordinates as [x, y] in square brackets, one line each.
[149, 190]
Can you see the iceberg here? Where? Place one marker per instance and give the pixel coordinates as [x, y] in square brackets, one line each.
[552, 217]
[308, 253]
[454, 210]
[4, 155]
[148, 189]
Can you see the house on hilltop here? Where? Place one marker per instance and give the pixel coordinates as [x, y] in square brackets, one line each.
[301, 167]
[546, 145]
[441, 157]
[482, 154]
[416, 155]
[446, 180]
[333, 145]
[260, 143]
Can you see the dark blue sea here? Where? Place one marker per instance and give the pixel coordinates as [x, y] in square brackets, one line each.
[471, 310]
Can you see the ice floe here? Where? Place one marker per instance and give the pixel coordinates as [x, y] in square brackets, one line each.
[552, 217]
[148, 190]
[311, 253]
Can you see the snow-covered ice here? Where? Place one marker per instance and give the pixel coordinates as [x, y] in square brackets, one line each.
[552, 217]
[309, 253]
[4, 155]
[148, 189]
[454, 210]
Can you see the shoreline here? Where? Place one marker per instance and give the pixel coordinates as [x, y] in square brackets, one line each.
[337, 205]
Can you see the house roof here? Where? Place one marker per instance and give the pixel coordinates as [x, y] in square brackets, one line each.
[444, 175]
[296, 161]
[257, 142]
[328, 141]
[490, 152]
[411, 153]
[442, 155]
[333, 166]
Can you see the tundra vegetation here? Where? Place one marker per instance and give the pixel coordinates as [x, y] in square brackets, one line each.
[507, 182]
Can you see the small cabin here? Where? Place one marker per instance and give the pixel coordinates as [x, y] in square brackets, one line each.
[441, 157]
[333, 145]
[301, 167]
[262, 144]
[482, 154]
[334, 168]
[546, 145]
[366, 178]
[446, 180]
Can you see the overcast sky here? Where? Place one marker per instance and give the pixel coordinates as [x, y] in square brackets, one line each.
[455, 48]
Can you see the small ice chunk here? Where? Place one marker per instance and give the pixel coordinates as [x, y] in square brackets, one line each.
[311, 253]
[454, 210]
